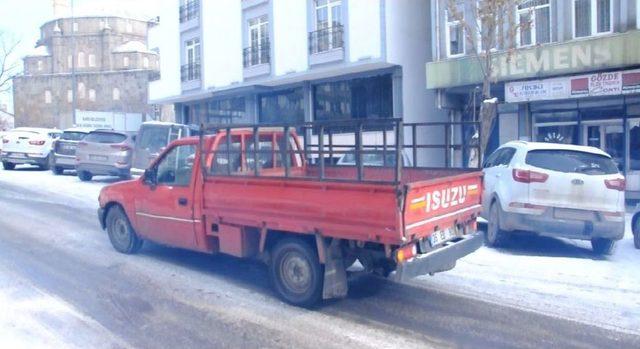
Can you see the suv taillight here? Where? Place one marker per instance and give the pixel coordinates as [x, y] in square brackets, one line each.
[122, 147]
[5, 141]
[528, 176]
[618, 184]
[36, 142]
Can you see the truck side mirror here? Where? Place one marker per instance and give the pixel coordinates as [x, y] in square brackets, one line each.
[150, 177]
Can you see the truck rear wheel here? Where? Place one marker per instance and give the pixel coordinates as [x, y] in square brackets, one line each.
[8, 165]
[121, 234]
[296, 273]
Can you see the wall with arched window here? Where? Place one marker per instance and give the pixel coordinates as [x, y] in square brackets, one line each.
[116, 94]
[81, 60]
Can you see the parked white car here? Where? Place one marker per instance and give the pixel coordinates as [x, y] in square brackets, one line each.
[28, 145]
[555, 190]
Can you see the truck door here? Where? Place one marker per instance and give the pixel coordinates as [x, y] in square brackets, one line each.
[165, 211]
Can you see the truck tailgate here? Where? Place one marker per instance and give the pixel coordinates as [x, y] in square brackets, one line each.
[442, 203]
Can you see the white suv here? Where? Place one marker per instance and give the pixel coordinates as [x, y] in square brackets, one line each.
[555, 190]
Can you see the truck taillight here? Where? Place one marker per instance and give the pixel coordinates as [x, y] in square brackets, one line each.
[36, 142]
[528, 176]
[121, 147]
[406, 252]
[618, 184]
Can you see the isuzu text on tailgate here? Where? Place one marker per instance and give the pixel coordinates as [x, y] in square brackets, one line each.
[278, 194]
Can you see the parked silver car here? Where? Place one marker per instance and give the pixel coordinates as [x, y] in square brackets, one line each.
[105, 152]
[64, 149]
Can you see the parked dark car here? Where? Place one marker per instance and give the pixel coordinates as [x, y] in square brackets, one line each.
[152, 138]
[64, 149]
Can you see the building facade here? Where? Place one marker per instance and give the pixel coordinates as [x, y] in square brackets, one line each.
[99, 66]
[267, 61]
[571, 77]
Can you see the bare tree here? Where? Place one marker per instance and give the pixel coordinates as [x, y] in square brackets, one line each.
[490, 28]
[8, 64]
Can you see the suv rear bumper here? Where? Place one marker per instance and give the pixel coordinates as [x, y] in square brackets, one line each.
[64, 161]
[104, 170]
[441, 259]
[547, 225]
[26, 158]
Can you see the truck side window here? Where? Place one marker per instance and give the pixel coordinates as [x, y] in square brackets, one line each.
[176, 167]
[227, 160]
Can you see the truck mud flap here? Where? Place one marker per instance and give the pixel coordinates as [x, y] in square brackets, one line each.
[442, 259]
[335, 276]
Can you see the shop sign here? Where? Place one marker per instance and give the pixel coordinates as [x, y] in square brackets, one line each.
[108, 120]
[590, 85]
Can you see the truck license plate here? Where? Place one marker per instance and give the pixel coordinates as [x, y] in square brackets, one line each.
[441, 236]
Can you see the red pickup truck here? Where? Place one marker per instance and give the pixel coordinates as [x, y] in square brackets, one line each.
[309, 220]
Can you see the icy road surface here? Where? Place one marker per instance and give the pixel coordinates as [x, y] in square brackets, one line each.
[62, 285]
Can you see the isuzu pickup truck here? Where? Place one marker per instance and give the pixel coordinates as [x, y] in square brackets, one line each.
[286, 202]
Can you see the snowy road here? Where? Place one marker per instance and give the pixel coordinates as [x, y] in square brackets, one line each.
[62, 285]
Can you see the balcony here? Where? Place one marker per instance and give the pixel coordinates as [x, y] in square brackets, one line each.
[189, 11]
[326, 45]
[256, 60]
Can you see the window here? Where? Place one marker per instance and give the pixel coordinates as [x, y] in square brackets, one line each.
[570, 161]
[490, 33]
[329, 31]
[75, 26]
[258, 52]
[282, 106]
[227, 160]
[73, 136]
[354, 99]
[535, 25]
[145, 62]
[226, 110]
[81, 63]
[69, 96]
[191, 68]
[591, 17]
[81, 90]
[47, 97]
[125, 61]
[92, 95]
[176, 166]
[105, 137]
[129, 27]
[70, 61]
[92, 60]
[455, 31]
[501, 157]
[116, 94]
[40, 65]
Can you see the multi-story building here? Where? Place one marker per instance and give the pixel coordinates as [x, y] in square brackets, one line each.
[569, 75]
[99, 65]
[266, 61]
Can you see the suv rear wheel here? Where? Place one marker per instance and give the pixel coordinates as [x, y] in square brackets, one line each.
[46, 163]
[636, 233]
[602, 246]
[121, 234]
[57, 170]
[85, 176]
[494, 236]
[8, 165]
[296, 273]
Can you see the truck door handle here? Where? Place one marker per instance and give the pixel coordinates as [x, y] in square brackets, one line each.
[182, 201]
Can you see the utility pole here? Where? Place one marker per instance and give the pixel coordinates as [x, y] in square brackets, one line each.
[74, 82]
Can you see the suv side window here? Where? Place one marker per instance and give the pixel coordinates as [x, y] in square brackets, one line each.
[175, 168]
[492, 160]
[506, 156]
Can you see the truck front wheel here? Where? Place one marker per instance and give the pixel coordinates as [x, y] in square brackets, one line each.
[296, 273]
[121, 234]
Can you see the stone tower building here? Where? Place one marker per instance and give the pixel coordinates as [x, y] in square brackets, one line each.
[103, 63]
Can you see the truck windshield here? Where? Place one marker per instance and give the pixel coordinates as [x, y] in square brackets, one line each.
[571, 161]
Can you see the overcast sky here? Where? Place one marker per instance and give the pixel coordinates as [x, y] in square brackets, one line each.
[21, 21]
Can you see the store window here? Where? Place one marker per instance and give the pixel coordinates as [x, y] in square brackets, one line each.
[535, 24]
[556, 127]
[591, 17]
[226, 110]
[455, 30]
[365, 98]
[282, 107]
[634, 145]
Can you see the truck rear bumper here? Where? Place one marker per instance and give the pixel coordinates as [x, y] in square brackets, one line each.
[442, 259]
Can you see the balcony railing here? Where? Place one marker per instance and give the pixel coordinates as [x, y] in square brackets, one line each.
[189, 11]
[255, 55]
[326, 39]
[190, 72]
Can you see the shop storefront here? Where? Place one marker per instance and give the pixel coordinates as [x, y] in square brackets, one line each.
[600, 110]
